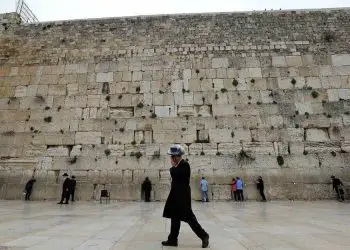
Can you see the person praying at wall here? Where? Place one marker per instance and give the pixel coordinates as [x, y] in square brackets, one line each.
[178, 205]
[260, 187]
[338, 187]
[234, 189]
[28, 188]
[65, 189]
[72, 185]
[146, 189]
[239, 185]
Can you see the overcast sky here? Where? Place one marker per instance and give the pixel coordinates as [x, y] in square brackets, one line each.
[47, 10]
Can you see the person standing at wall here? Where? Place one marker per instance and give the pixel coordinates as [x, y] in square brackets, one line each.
[146, 189]
[239, 184]
[204, 190]
[72, 185]
[65, 189]
[338, 187]
[260, 187]
[28, 188]
[178, 205]
[234, 189]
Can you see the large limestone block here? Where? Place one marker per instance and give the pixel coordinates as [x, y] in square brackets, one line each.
[341, 59]
[266, 135]
[259, 147]
[229, 148]
[294, 61]
[88, 137]
[57, 151]
[279, 61]
[292, 134]
[317, 135]
[195, 149]
[321, 147]
[123, 137]
[223, 109]
[121, 112]
[220, 63]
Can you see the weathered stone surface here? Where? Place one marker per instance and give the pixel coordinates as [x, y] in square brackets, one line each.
[107, 109]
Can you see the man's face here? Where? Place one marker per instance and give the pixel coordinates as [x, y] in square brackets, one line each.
[173, 160]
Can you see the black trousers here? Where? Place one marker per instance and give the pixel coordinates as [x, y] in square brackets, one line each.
[192, 222]
[340, 194]
[28, 193]
[65, 196]
[262, 194]
[240, 194]
[147, 196]
[72, 192]
[234, 195]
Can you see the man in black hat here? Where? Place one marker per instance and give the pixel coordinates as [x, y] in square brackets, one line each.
[28, 188]
[178, 205]
[72, 185]
[65, 189]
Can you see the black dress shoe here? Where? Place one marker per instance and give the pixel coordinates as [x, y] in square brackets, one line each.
[205, 242]
[66, 203]
[60, 203]
[169, 243]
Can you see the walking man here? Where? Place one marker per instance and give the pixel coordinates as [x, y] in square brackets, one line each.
[204, 190]
[260, 186]
[338, 187]
[239, 185]
[147, 188]
[178, 205]
[65, 189]
[28, 188]
[73, 184]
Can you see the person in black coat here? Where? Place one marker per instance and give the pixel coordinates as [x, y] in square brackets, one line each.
[260, 186]
[337, 186]
[28, 188]
[65, 189]
[147, 188]
[178, 205]
[72, 185]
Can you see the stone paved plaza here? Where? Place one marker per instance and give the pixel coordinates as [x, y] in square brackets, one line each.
[135, 225]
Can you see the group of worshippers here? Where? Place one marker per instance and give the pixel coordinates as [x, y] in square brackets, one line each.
[68, 189]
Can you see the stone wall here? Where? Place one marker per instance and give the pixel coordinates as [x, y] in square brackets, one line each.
[247, 94]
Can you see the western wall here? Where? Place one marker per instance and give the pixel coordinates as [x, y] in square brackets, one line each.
[246, 94]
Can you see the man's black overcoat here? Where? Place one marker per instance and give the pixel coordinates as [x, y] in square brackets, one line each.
[178, 204]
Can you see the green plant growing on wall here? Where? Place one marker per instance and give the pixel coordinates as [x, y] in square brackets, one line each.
[234, 82]
[243, 157]
[216, 96]
[142, 142]
[333, 153]
[153, 115]
[314, 94]
[59, 108]
[305, 152]
[197, 71]
[223, 90]
[202, 153]
[328, 36]
[107, 152]
[140, 105]
[138, 155]
[48, 119]
[280, 160]
[138, 89]
[133, 143]
[121, 130]
[47, 108]
[161, 91]
[61, 131]
[120, 97]
[108, 98]
[252, 81]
